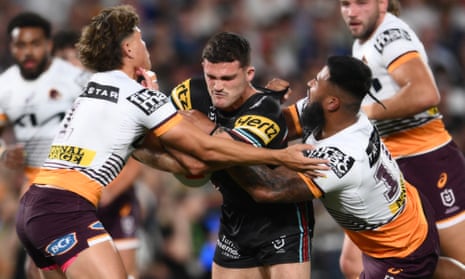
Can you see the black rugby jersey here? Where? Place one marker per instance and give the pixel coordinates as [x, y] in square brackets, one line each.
[258, 121]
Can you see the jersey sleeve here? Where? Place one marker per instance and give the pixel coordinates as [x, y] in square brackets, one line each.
[262, 125]
[342, 172]
[154, 110]
[191, 94]
[396, 45]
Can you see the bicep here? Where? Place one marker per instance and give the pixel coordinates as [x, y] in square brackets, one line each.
[415, 80]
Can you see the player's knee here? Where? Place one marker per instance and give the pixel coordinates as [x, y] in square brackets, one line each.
[349, 269]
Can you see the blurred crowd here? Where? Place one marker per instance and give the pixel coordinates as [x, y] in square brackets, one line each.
[290, 39]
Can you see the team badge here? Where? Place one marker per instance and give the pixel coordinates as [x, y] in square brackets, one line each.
[448, 197]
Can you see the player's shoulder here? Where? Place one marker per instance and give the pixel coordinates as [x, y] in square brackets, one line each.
[10, 79]
[188, 92]
[264, 102]
[9, 74]
[393, 29]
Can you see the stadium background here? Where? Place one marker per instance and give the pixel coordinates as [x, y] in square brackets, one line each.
[290, 39]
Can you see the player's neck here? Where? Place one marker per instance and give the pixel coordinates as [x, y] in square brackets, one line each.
[335, 124]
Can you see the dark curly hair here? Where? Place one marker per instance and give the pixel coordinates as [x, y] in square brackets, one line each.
[100, 43]
[30, 19]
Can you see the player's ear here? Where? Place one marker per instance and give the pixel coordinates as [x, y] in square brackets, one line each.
[126, 48]
[332, 103]
[250, 72]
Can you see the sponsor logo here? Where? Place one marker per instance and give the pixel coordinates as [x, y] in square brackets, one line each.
[447, 197]
[442, 180]
[148, 100]
[394, 271]
[32, 120]
[227, 248]
[61, 245]
[72, 154]
[389, 36]
[102, 92]
[263, 127]
[339, 162]
[373, 148]
[182, 96]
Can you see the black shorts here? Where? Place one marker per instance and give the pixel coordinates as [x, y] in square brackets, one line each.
[247, 239]
[440, 176]
[121, 219]
[55, 225]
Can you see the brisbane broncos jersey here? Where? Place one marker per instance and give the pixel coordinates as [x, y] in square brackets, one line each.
[392, 44]
[35, 108]
[366, 193]
[97, 134]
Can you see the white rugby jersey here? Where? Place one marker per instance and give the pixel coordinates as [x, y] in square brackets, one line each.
[364, 191]
[96, 136]
[392, 44]
[36, 107]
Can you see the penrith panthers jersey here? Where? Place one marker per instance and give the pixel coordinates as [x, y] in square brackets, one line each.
[97, 134]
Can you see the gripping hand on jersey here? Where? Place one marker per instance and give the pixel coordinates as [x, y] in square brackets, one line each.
[280, 88]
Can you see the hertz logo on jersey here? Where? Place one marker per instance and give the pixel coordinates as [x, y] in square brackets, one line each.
[73, 154]
[181, 95]
[265, 128]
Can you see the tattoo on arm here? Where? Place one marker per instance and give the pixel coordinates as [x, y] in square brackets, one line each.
[271, 185]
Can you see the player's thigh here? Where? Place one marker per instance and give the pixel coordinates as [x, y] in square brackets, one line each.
[50, 274]
[100, 261]
[449, 268]
[290, 271]
[452, 240]
[219, 272]
[350, 261]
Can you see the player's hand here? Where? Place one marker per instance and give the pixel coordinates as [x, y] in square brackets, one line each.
[147, 78]
[295, 159]
[280, 86]
[13, 156]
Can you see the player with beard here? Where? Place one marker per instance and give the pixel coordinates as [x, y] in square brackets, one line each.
[36, 92]
[57, 221]
[364, 190]
[410, 125]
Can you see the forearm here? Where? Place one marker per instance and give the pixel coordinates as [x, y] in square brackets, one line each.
[122, 182]
[159, 160]
[267, 185]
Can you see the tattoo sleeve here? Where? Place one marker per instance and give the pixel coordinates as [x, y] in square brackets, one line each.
[271, 185]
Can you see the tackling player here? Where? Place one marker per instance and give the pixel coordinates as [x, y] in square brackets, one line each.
[364, 190]
[57, 220]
